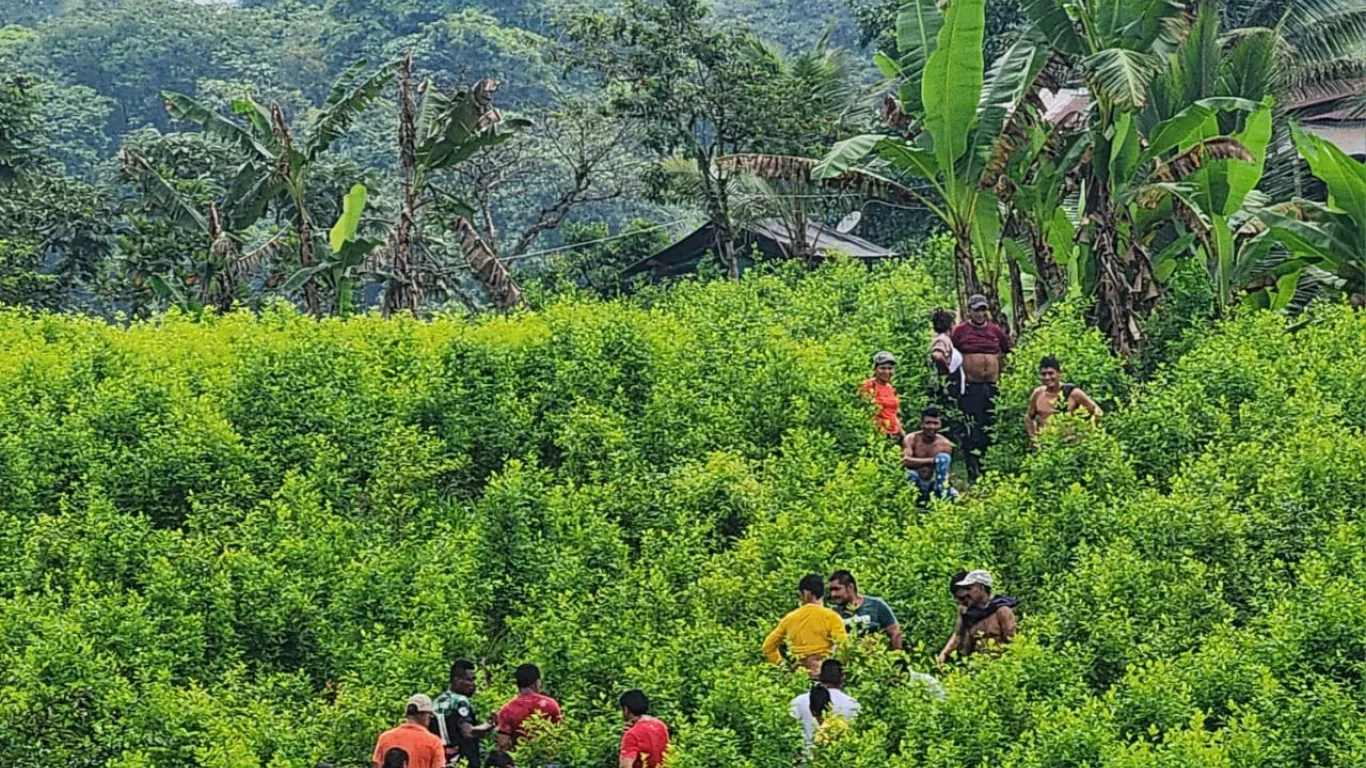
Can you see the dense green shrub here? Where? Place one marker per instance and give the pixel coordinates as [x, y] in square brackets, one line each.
[243, 541]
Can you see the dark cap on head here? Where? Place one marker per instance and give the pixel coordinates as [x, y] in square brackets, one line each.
[977, 301]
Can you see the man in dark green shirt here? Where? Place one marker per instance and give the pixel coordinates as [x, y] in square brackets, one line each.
[862, 614]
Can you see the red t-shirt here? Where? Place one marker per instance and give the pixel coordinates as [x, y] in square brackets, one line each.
[884, 396]
[515, 712]
[646, 742]
[984, 339]
[424, 749]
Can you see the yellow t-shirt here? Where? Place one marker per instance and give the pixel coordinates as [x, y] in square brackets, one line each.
[811, 630]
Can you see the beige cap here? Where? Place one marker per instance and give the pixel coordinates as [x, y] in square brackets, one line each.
[422, 703]
[976, 577]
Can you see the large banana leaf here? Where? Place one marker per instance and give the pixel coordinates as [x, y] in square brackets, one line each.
[345, 229]
[1010, 79]
[953, 80]
[160, 191]
[1346, 182]
[1051, 18]
[183, 107]
[845, 154]
[917, 30]
[1121, 74]
[346, 102]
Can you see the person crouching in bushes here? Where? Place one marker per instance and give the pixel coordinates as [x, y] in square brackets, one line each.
[984, 620]
[812, 631]
[927, 457]
[1052, 396]
[499, 759]
[826, 698]
[880, 392]
[645, 743]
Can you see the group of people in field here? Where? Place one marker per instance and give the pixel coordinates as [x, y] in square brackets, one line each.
[811, 634]
[967, 359]
[449, 732]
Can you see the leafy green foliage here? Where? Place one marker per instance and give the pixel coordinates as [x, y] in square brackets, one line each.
[244, 540]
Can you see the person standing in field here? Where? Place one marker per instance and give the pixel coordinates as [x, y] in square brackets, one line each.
[646, 740]
[928, 456]
[983, 621]
[826, 698]
[812, 631]
[945, 358]
[984, 346]
[423, 748]
[880, 392]
[862, 614]
[455, 721]
[1053, 396]
[529, 701]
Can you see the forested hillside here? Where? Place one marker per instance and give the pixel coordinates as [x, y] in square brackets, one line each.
[246, 541]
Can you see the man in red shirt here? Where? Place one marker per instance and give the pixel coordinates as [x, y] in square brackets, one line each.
[530, 701]
[984, 346]
[646, 740]
[424, 749]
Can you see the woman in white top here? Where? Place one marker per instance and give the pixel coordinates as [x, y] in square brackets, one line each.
[944, 357]
[825, 699]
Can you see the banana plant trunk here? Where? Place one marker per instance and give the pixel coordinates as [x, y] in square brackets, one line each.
[718, 210]
[1127, 286]
[1019, 310]
[966, 268]
[405, 292]
[311, 301]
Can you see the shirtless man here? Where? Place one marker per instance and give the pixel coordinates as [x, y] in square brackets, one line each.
[1055, 396]
[927, 455]
[984, 346]
[984, 620]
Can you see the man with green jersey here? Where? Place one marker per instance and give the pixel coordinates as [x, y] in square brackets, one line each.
[863, 614]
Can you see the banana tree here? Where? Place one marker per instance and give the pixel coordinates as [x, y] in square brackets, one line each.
[1330, 236]
[275, 168]
[219, 274]
[444, 132]
[964, 122]
[343, 256]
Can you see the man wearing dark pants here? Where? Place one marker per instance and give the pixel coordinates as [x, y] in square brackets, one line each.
[984, 346]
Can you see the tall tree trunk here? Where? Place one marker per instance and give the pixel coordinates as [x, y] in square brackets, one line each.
[1052, 283]
[405, 292]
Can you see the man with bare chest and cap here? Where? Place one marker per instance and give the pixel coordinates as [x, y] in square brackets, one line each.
[984, 346]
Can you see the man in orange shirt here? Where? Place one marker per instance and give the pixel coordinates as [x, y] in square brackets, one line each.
[424, 749]
[879, 391]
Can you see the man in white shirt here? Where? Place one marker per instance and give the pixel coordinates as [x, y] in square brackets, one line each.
[823, 701]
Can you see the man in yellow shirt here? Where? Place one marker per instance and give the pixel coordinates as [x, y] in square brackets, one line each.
[811, 631]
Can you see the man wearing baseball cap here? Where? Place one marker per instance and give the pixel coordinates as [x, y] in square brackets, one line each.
[424, 749]
[984, 346]
[983, 619]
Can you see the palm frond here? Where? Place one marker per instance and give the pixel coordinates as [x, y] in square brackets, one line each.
[160, 191]
[1121, 74]
[182, 107]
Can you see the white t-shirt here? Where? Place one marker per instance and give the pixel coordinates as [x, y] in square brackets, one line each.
[840, 704]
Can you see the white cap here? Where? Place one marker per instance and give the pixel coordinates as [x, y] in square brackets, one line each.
[422, 703]
[976, 577]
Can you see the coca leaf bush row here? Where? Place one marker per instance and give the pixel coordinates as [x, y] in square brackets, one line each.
[244, 541]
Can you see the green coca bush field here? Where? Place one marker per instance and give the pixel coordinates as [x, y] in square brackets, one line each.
[245, 540]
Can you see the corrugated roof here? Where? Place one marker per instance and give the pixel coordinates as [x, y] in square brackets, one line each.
[772, 238]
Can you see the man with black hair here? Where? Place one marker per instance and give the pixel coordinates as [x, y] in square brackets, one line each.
[927, 457]
[862, 614]
[825, 698]
[811, 631]
[1053, 396]
[455, 720]
[529, 701]
[646, 740]
[424, 750]
[984, 620]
